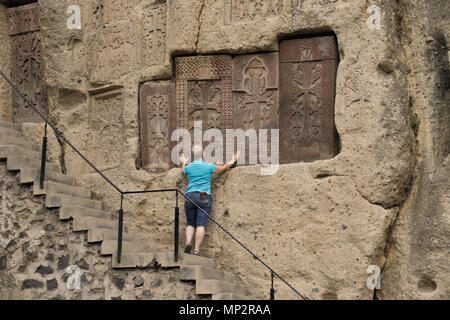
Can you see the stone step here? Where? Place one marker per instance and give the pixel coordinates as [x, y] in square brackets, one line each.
[145, 259]
[16, 140]
[133, 260]
[7, 151]
[86, 223]
[12, 131]
[166, 259]
[97, 235]
[10, 125]
[63, 200]
[196, 272]
[126, 261]
[212, 286]
[109, 247]
[68, 212]
[51, 187]
[229, 296]
[192, 259]
[32, 175]
[18, 163]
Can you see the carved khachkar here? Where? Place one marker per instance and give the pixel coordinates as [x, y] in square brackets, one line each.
[255, 93]
[307, 82]
[244, 10]
[203, 92]
[157, 122]
[115, 54]
[106, 139]
[154, 34]
[27, 68]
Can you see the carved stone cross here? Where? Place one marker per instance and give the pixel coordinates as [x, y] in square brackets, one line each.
[204, 103]
[257, 102]
[157, 105]
[306, 115]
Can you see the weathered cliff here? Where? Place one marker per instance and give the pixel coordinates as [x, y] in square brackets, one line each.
[383, 200]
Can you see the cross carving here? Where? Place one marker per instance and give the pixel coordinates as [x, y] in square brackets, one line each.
[157, 105]
[205, 101]
[306, 115]
[156, 30]
[257, 102]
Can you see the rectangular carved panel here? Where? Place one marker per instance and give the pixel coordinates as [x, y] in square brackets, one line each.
[116, 53]
[157, 121]
[204, 92]
[106, 139]
[27, 64]
[153, 34]
[255, 93]
[307, 79]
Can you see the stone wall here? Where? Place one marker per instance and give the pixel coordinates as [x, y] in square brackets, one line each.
[319, 224]
[5, 55]
[37, 250]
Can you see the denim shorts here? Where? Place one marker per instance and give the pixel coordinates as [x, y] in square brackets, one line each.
[194, 216]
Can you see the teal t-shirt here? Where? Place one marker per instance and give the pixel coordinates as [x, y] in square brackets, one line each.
[199, 175]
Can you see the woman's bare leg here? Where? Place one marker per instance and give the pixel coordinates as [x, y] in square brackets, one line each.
[199, 235]
[190, 231]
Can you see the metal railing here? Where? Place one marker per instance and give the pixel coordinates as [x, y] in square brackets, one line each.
[122, 193]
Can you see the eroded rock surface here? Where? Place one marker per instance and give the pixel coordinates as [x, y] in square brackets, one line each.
[320, 224]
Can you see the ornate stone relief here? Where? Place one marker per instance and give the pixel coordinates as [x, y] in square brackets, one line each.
[308, 69]
[203, 90]
[157, 119]
[27, 63]
[292, 91]
[106, 142]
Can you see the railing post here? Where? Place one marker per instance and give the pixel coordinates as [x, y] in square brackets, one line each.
[177, 226]
[43, 158]
[272, 290]
[119, 236]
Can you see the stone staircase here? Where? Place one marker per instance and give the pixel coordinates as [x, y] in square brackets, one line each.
[209, 280]
[75, 202]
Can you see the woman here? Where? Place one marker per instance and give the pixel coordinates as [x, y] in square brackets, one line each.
[199, 191]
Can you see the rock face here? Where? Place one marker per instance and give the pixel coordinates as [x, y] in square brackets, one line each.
[5, 60]
[417, 251]
[382, 200]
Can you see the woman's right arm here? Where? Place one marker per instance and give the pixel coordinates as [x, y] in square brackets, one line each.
[222, 169]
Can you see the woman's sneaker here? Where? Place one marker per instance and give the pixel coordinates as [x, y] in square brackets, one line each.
[188, 248]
